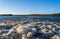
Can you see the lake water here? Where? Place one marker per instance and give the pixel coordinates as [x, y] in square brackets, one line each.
[55, 18]
[5, 29]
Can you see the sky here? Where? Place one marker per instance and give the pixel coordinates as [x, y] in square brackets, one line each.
[29, 6]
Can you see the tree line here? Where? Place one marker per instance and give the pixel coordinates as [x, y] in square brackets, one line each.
[56, 14]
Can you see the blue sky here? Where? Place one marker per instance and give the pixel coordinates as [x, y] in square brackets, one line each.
[29, 6]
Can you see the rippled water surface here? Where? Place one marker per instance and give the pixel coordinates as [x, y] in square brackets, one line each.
[55, 18]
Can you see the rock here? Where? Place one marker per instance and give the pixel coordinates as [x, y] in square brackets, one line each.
[29, 34]
[49, 26]
[55, 37]
[34, 31]
[22, 30]
[24, 36]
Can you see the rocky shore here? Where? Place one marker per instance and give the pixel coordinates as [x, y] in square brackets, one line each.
[29, 28]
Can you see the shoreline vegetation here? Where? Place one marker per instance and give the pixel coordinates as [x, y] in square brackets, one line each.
[56, 14]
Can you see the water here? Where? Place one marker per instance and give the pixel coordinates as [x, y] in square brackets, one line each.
[55, 18]
[5, 29]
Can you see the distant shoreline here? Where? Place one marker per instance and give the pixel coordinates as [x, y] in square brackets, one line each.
[31, 15]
